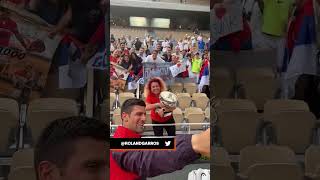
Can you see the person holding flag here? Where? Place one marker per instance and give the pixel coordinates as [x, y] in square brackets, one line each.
[301, 49]
[204, 72]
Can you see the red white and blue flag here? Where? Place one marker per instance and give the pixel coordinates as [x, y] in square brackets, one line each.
[300, 55]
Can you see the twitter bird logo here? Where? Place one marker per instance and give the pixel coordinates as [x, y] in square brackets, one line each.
[167, 143]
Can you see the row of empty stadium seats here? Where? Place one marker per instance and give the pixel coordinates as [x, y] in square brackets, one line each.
[184, 99]
[257, 84]
[190, 115]
[39, 113]
[284, 122]
[183, 87]
[266, 163]
[270, 107]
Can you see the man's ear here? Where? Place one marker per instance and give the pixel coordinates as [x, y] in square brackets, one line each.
[125, 117]
[48, 171]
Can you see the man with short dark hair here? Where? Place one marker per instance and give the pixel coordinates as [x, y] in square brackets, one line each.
[167, 56]
[154, 58]
[133, 165]
[137, 44]
[72, 149]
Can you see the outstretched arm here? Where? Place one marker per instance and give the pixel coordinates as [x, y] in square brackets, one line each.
[154, 163]
[63, 23]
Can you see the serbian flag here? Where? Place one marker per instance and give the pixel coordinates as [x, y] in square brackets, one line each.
[204, 75]
[301, 51]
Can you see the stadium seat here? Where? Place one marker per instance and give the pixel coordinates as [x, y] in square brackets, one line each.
[176, 88]
[235, 105]
[22, 158]
[201, 100]
[293, 129]
[124, 96]
[276, 171]
[238, 129]
[143, 97]
[220, 156]
[184, 100]
[312, 161]
[258, 84]
[222, 169]
[177, 115]
[9, 112]
[191, 110]
[45, 110]
[194, 115]
[207, 113]
[117, 117]
[25, 173]
[190, 88]
[195, 95]
[279, 105]
[259, 154]
[223, 172]
[148, 121]
[223, 83]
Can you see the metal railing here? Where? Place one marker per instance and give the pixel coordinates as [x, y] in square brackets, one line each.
[185, 126]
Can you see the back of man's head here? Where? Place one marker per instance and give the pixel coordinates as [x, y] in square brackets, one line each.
[57, 141]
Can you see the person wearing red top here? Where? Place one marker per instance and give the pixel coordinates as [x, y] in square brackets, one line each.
[115, 57]
[152, 92]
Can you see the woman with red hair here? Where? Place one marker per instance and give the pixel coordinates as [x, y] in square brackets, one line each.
[152, 92]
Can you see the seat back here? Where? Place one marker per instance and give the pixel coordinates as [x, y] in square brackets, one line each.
[223, 172]
[294, 129]
[124, 96]
[176, 88]
[9, 112]
[25, 173]
[312, 160]
[259, 84]
[184, 100]
[202, 102]
[190, 87]
[277, 171]
[279, 105]
[43, 111]
[117, 116]
[238, 129]
[235, 105]
[251, 155]
[22, 158]
[223, 83]
[194, 115]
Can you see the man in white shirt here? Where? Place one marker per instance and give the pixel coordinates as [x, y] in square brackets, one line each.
[154, 58]
[165, 44]
[129, 41]
[177, 53]
[158, 49]
[142, 54]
